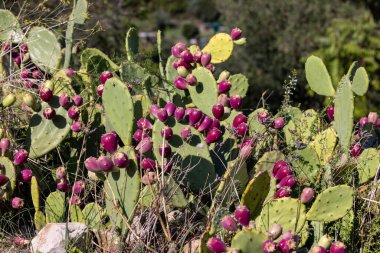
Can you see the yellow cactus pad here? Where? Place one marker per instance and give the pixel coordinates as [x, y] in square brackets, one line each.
[220, 47]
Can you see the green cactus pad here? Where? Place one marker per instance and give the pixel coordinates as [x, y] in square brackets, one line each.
[45, 135]
[307, 165]
[267, 161]
[55, 207]
[9, 27]
[132, 43]
[256, 192]
[254, 125]
[92, 215]
[216, 225]
[318, 77]
[344, 112]
[324, 144]
[220, 47]
[287, 212]
[119, 108]
[8, 170]
[239, 85]
[35, 192]
[171, 72]
[62, 84]
[44, 49]
[39, 219]
[123, 187]
[331, 204]
[79, 14]
[194, 154]
[368, 164]
[360, 82]
[76, 214]
[95, 61]
[248, 240]
[205, 93]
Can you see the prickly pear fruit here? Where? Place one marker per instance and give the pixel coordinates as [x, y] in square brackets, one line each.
[242, 215]
[120, 159]
[78, 187]
[109, 142]
[216, 245]
[224, 86]
[330, 112]
[275, 231]
[338, 247]
[73, 112]
[105, 76]
[17, 203]
[49, 113]
[228, 222]
[236, 33]
[4, 145]
[167, 133]
[317, 249]
[105, 163]
[147, 164]
[60, 173]
[287, 245]
[307, 195]
[283, 192]
[91, 164]
[3, 180]
[25, 175]
[170, 108]
[235, 102]
[213, 135]
[46, 94]
[269, 246]
[279, 123]
[20, 157]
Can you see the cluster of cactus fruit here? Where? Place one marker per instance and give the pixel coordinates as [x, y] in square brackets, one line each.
[152, 127]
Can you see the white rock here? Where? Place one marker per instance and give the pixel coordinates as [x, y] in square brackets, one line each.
[52, 237]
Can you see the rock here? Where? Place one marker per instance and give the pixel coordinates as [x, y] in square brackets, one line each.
[52, 237]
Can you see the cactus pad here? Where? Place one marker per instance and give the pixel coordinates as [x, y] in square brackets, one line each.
[368, 164]
[318, 77]
[9, 27]
[133, 73]
[267, 161]
[35, 192]
[307, 165]
[324, 144]
[360, 82]
[44, 135]
[205, 93]
[76, 214]
[132, 43]
[248, 240]
[220, 47]
[331, 204]
[254, 125]
[55, 207]
[7, 168]
[62, 84]
[239, 85]
[256, 192]
[300, 129]
[79, 14]
[95, 61]
[39, 219]
[92, 215]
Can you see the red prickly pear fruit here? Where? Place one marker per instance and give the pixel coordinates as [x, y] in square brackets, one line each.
[228, 223]
[145, 145]
[330, 112]
[263, 117]
[287, 235]
[36, 74]
[70, 72]
[177, 49]
[216, 245]
[120, 159]
[275, 231]
[76, 127]
[206, 124]
[105, 163]
[182, 71]
[99, 89]
[144, 123]
[61, 172]
[46, 94]
[73, 112]
[78, 187]
[279, 123]
[109, 142]
[91, 164]
[213, 135]
[197, 56]
[179, 113]
[105, 76]
[246, 142]
[191, 80]
[75, 200]
[149, 177]
[184, 64]
[6, 46]
[167, 133]
[194, 116]
[186, 56]
[25, 74]
[245, 151]
[154, 109]
[20, 157]
[242, 215]
[170, 108]
[218, 111]
[338, 247]
[210, 67]
[139, 135]
[287, 245]
[24, 47]
[240, 118]
[63, 185]
[223, 100]
[205, 59]
[17, 60]
[356, 150]
[4, 145]
[269, 246]
[215, 124]
[283, 172]
[283, 192]
[49, 113]
[25, 175]
[236, 33]
[325, 241]
[185, 132]
[242, 129]
[162, 115]
[148, 164]
[289, 181]
[307, 195]
[28, 84]
[176, 64]
[180, 83]
[3, 180]
[235, 102]
[317, 249]
[64, 100]
[224, 86]
[196, 125]
[17, 203]
[373, 117]
[165, 150]
[363, 120]
[78, 100]
[279, 165]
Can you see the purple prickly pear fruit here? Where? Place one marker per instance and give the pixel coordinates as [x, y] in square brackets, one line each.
[210, 67]
[6, 46]
[179, 113]
[162, 115]
[78, 100]
[144, 123]
[36, 74]
[78, 187]
[205, 59]
[287, 245]
[70, 72]
[148, 164]
[240, 118]
[213, 135]
[196, 125]
[167, 165]
[167, 133]
[223, 100]
[197, 56]
[247, 142]
[325, 241]
[194, 116]
[99, 89]
[242, 215]
[75, 200]
[177, 49]
[191, 80]
[145, 145]
[91, 164]
[182, 71]
[76, 127]
[180, 83]
[317, 249]
[24, 47]
[182, 63]
[149, 177]
[28, 84]
[242, 129]
[287, 235]
[4, 145]
[20, 157]
[61, 172]
[154, 109]
[356, 150]
[19, 241]
[17, 203]
[279, 123]
[109, 142]
[215, 124]
[120, 159]
[105, 76]
[216, 245]
[245, 151]
[307, 195]
[224, 75]
[139, 134]
[25, 175]
[235, 102]
[63, 185]
[269, 246]
[64, 100]
[279, 165]
[186, 56]
[206, 124]
[170, 108]
[46, 94]
[73, 112]
[165, 150]
[185, 132]
[176, 64]
[228, 223]
[49, 113]
[338, 247]
[188, 111]
[289, 181]
[263, 117]
[3, 180]
[283, 172]
[363, 120]
[373, 117]
[236, 33]
[330, 112]
[283, 192]
[218, 111]
[275, 231]
[224, 86]
[105, 163]
[25, 74]
[17, 60]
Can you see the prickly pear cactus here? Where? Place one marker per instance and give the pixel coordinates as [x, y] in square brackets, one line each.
[239, 85]
[95, 61]
[62, 84]
[254, 125]
[9, 27]
[55, 207]
[360, 82]
[44, 49]
[267, 161]
[39, 219]
[248, 240]
[35, 192]
[8, 170]
[324, 144]
[133, 73]
[45, 135]
[300, 129]
[307, 164]
[331, 204]
[220, 47]
[92, 215]
[318, 77]
[132, 43]
[368, 164]
[76, 214]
